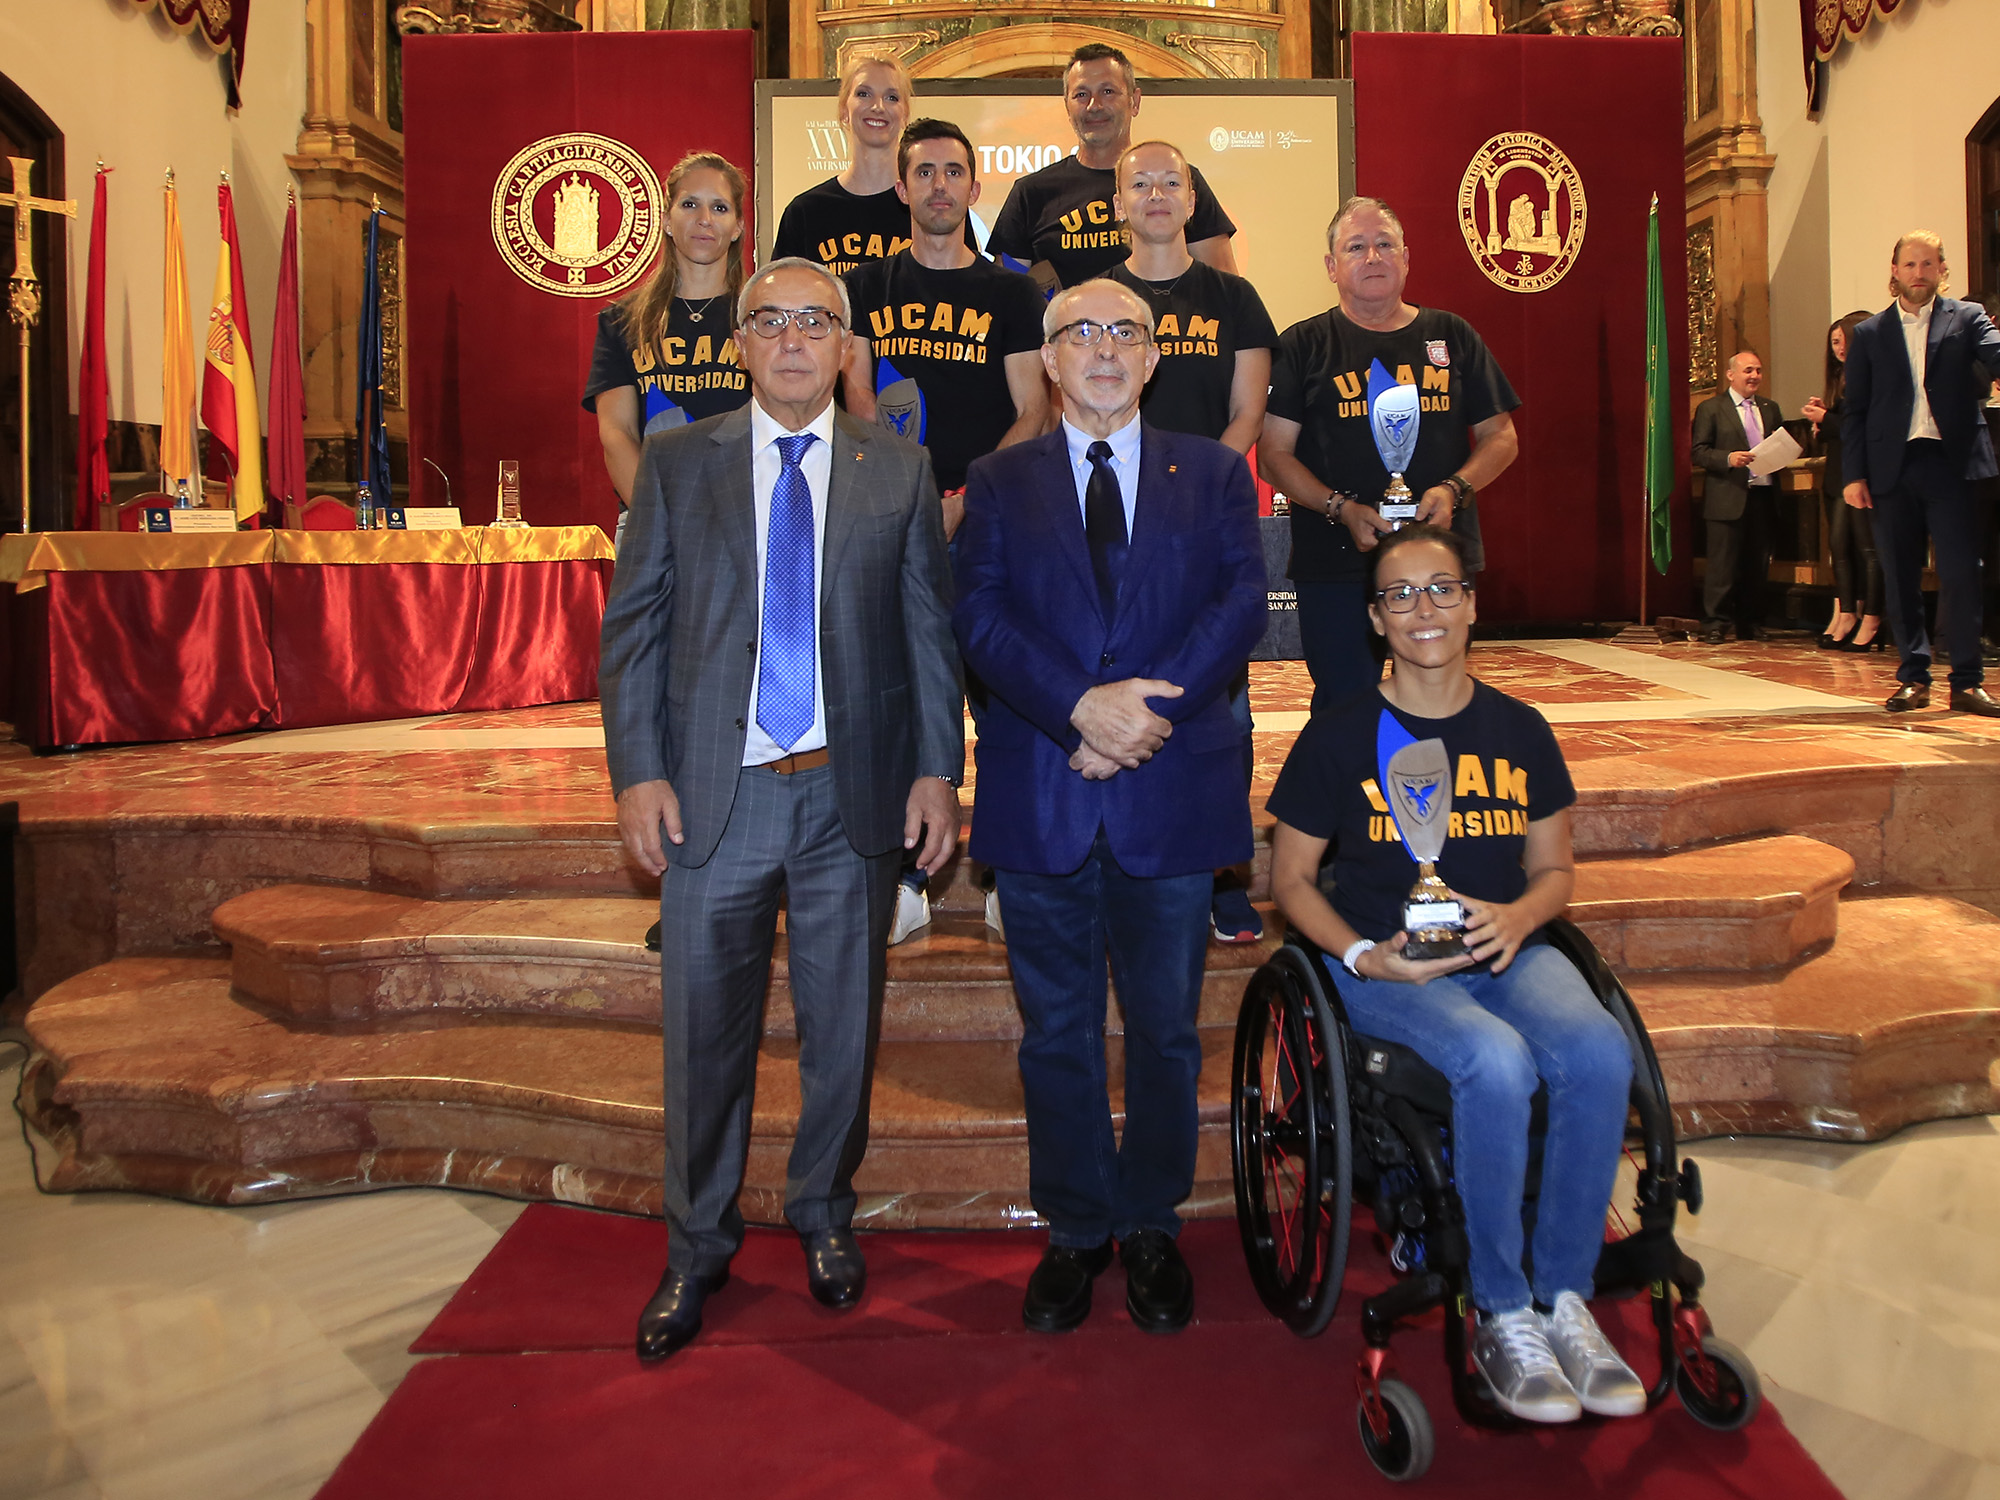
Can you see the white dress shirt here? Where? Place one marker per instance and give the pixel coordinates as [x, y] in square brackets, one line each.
[1917, 338]
[1124, 464]
[766, 464]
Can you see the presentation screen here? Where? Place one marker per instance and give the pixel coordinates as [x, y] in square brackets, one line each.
[1279, 156]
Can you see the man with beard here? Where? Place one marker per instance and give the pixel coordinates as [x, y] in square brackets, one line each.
[1915, 446]
[947, 351]
[1058, 223]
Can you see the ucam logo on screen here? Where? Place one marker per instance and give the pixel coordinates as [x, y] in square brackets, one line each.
[1224, 139]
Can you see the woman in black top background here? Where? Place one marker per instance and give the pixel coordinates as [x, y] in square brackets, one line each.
[1857, 571]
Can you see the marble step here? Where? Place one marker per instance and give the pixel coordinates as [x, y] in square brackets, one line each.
[332, 956]
[151, 1075]
[1757, 904]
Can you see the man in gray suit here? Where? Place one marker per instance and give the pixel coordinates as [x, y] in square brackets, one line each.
[781, 714]
[1736, 504]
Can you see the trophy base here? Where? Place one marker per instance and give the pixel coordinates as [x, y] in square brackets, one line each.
[507, 526]
[1435, 942]
[1398, 515]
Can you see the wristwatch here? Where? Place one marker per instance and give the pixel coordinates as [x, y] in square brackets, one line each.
[1353, 955]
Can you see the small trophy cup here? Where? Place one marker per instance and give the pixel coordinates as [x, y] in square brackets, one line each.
[507, 513]
[1418, 786]
[1394, 414]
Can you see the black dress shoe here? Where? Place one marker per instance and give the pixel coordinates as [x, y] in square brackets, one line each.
[673, 1317]
[1910, 695]
[1159, 1292]
[1713, 632]
[1975, 700]
[1059, 1291]
[835, 1271]
[653, 938]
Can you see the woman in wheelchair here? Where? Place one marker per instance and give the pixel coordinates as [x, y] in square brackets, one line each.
[1499, 1020]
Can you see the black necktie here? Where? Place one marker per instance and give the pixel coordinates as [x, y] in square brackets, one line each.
[1104, 525]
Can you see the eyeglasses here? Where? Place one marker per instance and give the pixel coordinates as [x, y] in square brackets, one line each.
[1446, 593]
[1085, 332]
[813, 322]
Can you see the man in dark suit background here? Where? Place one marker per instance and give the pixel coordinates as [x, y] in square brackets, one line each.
[1915, 446]
[1111, 586]
[781, 714]
[1736, 504]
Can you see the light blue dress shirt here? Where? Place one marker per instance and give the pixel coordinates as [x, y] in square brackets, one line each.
[1124, 463]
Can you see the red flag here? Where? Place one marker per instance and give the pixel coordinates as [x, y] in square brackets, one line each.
[288, 381]
[93, 381]
[229, 378]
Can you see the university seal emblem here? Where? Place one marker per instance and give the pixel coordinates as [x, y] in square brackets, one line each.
[577, 215]
[1521, 209]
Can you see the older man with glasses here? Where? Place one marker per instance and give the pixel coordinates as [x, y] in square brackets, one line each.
[1111, 586]
[781, 716]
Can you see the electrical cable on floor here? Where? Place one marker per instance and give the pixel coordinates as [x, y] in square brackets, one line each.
[27, 1136]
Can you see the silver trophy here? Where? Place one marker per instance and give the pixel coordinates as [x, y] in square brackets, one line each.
[1418, 787]
[1394, 414]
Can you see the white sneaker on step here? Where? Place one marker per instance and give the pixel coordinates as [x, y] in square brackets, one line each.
[1603, 1382]
[913, 913]
[1512, 1351]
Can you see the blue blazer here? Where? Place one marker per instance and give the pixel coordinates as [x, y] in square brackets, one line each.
[1881, 395]
[1028, 620]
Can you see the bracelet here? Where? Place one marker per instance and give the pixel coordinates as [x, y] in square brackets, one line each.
[1353, 955]
[1461, 487]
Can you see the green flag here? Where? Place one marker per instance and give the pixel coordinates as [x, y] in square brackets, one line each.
[1659, 403]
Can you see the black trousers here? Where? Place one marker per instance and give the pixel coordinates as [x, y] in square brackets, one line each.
[1739, 564]
[1931, 508]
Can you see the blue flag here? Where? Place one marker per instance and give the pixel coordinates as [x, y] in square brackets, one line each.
[371, 427]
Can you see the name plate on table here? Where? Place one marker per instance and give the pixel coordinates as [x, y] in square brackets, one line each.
[422, 518]
[199, 518]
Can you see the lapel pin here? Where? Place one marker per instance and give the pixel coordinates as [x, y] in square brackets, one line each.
[1173, 468]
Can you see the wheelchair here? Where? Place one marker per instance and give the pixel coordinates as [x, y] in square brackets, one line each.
[1322, 1117]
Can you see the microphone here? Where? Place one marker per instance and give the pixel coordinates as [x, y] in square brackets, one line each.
[442, 475]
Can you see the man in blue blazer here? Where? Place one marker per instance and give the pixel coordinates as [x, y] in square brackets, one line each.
[1916, 444]
[1111, 586]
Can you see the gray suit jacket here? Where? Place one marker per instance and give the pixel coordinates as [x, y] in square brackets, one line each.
[680, 629]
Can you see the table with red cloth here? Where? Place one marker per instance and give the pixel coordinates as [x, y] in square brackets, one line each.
[121, 637]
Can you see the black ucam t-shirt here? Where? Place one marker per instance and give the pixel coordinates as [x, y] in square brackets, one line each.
[941, 341]
[842, 230]
[1062, 214]
[1200, 319]
[1507, 772]
[1319, 379]
[693, 374]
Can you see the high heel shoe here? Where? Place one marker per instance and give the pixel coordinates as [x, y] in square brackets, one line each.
[1876, 642]
[1828, 641]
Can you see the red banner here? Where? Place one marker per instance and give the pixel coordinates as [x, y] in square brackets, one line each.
[1526, 215]
[533, 169]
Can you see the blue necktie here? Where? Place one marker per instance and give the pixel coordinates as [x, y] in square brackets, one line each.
[786, 664]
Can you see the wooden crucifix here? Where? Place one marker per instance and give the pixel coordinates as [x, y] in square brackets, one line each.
[24, 290]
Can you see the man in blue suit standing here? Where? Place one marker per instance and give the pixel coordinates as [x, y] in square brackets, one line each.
[1111, 586]
[1916, 446]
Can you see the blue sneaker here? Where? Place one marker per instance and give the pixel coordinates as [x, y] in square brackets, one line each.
[1232, 918]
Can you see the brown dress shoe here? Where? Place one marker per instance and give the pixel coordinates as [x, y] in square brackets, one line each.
[1975, 700]
[1910, 695]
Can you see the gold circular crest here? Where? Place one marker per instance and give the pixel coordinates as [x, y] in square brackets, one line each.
[1522, 212]
[577, 215]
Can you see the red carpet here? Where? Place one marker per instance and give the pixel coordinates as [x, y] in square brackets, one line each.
[933, 1388]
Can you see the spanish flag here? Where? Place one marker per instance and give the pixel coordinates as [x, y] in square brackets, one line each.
[177, 449]
[228, 381]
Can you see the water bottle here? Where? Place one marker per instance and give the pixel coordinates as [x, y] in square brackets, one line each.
[182, 499]
[364, 507]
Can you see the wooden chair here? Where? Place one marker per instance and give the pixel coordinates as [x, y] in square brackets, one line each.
[319, 513]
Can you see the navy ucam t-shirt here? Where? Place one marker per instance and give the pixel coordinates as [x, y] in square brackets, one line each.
[1507, 772]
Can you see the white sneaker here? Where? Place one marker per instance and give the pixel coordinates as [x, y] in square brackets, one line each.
[913, 913]
[993, 915]
[1603, 1382]
[1512, 1352]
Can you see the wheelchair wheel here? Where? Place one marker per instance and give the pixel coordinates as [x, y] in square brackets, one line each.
[1407, 1452]
[1289, 1143]
[1727, 1394]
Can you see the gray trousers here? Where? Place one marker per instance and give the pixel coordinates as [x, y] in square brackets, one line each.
[717, 925]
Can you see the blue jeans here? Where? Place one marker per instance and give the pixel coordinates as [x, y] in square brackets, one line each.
[1155, 931]
[1494, 1036]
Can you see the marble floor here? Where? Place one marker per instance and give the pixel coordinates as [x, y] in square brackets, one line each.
[159, 1349]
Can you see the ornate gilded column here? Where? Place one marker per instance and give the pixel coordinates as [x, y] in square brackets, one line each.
[1729, 285]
